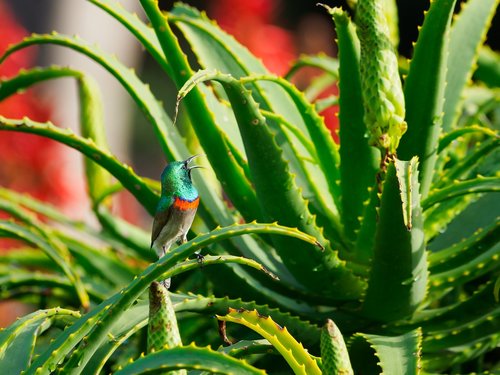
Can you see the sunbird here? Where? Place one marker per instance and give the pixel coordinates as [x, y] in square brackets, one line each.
[176, 209]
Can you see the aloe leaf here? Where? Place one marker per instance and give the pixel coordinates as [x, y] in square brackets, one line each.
[465, 249]
[448, 138]
[480, 303]
[17, 342]
[477, 185]
[169, 138]
[226, 168]
[217, 50]
[122, 173]
[280, 198]
[43, 208]
[98, 261]
[39, 235]
[438, 217]
[427, 74]
[334, 351]
[245, 348]
[359, 161]
[293, 352]
[135, 87]
[399, 262]
[27, 258]
[467, 34]
[324, 62]
[488, 67]
[189, 357]
[92, 127]
[104, 318]
[26, 78]
[326, 149]
[462, 334]
[468, 269]
[394, 354]
[128, 234]
[303, 330]
[464, 166]
[18, 280]
[144, 34]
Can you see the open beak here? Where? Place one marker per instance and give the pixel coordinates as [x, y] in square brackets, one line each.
[188, 160]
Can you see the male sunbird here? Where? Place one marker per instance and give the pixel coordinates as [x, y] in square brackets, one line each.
[176, 209]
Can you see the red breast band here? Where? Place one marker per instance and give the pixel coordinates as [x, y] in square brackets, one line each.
[184, 205]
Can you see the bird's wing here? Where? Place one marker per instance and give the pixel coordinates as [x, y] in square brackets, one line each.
[161, 218]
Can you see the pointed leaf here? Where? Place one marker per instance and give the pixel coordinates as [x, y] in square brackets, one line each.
[427, 74]
[398, 277]
[359, 161]
[293, 352]
[189, 357]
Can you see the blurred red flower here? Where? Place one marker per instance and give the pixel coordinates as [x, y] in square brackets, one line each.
[29, 163]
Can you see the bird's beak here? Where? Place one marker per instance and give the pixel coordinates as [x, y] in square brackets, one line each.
[188, 160]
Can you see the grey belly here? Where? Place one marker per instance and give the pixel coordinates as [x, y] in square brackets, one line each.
[176, 228]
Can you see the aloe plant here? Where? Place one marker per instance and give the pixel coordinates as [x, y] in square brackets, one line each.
[388, 240]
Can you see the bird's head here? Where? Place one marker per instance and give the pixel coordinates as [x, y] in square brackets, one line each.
[177, 174]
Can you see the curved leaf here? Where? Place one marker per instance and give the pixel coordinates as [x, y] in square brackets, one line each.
[279, 196]
[188, 357]
[104, 318]
[17, 342]
[122, 173]
[359, 162]
[26, 78]
[477, 185]
[293, 352]
[230, 174]
[467, 34]
[427, 74]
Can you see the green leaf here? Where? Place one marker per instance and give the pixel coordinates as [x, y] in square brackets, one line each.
[122, 173]
[477, 185]
[488, 67]
[229, 173]
[279, 196]
[398, 277]
[39, 235]
[17, 342]
[104, 318]
[448, 138]
[394, 354]
[427, 74]
[92, 127]
[321, 61]
[26, 78]
[140, 92]
[468, 163]
[467, 33]
[144, 34]
[292, 351]
[189, 357]
[304, 331]
[359, 161]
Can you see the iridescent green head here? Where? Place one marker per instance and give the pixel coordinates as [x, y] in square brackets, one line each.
[176, 178]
